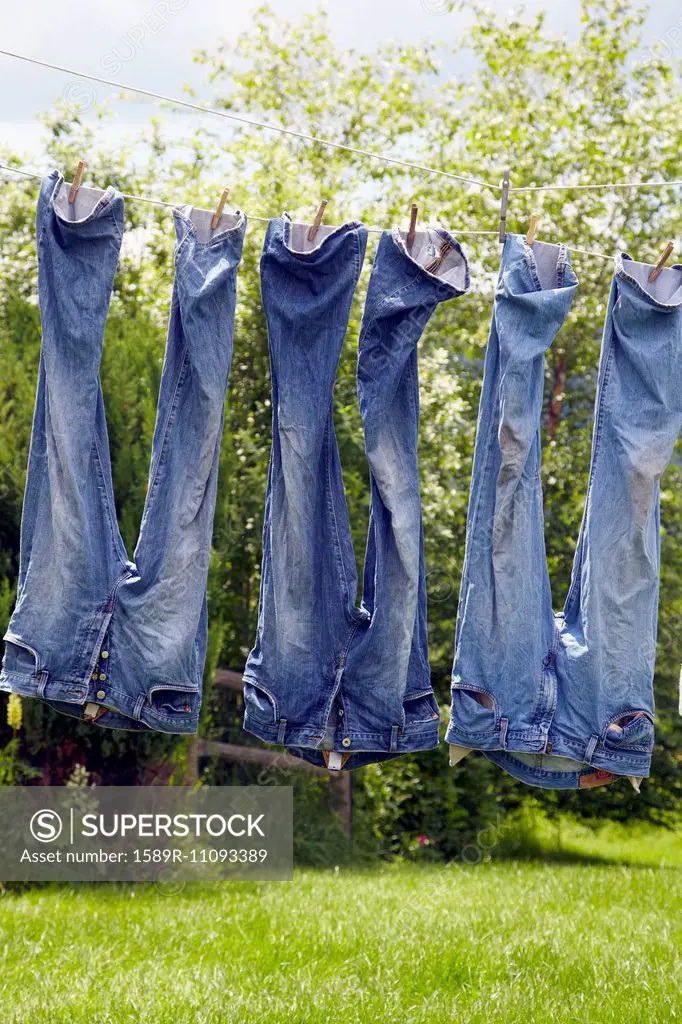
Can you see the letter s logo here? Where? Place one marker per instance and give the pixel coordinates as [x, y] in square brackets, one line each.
[46, 826]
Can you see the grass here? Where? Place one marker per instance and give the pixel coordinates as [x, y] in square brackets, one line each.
[592, 933]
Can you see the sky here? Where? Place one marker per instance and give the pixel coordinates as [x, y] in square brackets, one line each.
[149, 43]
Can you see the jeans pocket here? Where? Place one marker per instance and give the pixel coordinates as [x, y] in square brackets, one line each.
[169, 701]
[631, 729]
[20, 658]
[260, 703]
[473, 710]
[420, 709]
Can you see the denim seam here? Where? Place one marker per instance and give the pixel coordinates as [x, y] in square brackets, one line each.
[103, 203]
[329, 433]
[113, 523]
[598, 424]
[489, 446]
[170, 418]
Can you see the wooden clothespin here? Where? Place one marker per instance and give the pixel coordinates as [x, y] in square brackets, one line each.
[76, 183]
[532, 228]
[505, 185]
[662, 262]
[413, 226]
[215, 221]
[318, 220]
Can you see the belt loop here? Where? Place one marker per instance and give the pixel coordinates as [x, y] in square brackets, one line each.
[591, 747]
[137, 709]
[504, 725]
[395, 729]
[42, 682]
[281, 730]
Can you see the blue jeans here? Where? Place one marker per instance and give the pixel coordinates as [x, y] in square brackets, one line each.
[566, 700]
[339, 683]
[95, 634]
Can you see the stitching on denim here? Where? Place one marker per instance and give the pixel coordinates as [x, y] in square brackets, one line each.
[268, 693]
[329, 434]
[596, 448]
[531, 265]
[170, 419]
[111, 512]
[12, 638]
[621, 273]
[489, 442]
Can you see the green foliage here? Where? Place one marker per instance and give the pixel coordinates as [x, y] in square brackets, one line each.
[553, 110]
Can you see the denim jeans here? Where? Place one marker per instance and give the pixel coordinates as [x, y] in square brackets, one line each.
[566, 700]
[339, 683]
[95, 634]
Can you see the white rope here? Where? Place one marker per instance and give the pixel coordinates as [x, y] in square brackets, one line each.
[611, 184]
[326, 142]
[265, 220]
[163, 202]
[250, 121]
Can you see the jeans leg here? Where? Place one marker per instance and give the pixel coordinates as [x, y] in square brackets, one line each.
[386, 685]
[607, 655]
[158, 635]
[308, 580]
[71, 550]
[505, 623]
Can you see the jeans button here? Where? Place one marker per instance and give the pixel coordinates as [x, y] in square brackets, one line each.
[345, 742]
[101, 695]
[105, 654]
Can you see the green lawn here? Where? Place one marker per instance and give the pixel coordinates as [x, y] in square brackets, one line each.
[591, 940]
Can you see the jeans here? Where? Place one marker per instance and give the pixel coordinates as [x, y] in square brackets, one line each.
[95, 634]
[344, 684]
[566, 700]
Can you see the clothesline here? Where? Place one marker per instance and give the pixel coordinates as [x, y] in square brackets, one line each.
[242, 119]
[264, 220]
[163, 202]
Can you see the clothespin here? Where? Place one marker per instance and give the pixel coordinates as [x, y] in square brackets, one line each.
[413, 225]
[215, 221]
[532, 228]
[76, 183]
[662, 262]
[318, 220]
[504, 202]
